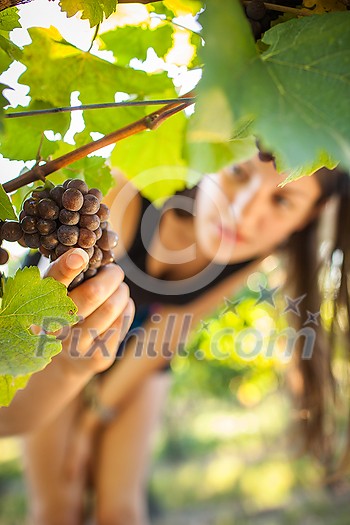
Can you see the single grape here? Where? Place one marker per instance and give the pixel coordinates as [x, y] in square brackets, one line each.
[103, 212]
[76, 281]
[49, 241]
[66, 182]
[79, 185]
[104, 225]
[61, 249]
[44, 251]
[56, 194]
[4, 256]
[22, 242]
[98, 193]
[72, 199]
[91, 272]
[29, 224]
[11, 231]
[22, 214]
[48, 209]
[256, 28]
[68, 235]
[30, 206]
[256, 9]
[109, 240]
[95, 261]
[98, 233]
[70, 218]
[107, 258]
[45, 226]
[91, 205]
[91, 222]
[39, 193]
[32, 240]
[87, 238]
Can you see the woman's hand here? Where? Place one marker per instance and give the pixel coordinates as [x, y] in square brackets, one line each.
[105, 309]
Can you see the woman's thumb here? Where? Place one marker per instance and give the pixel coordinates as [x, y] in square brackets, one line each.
[68, 266]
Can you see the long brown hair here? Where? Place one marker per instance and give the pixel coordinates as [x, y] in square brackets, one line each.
[312, 381]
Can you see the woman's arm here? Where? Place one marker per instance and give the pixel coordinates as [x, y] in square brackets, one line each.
[104, 304]
[162, 339]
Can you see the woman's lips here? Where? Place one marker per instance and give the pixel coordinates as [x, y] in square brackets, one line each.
[229, 235]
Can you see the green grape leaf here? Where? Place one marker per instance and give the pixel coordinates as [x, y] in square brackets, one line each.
[29, 300]
[56, 68]
[92, 10]
[8, 52]
[24, 136]
[277, 89]
[93, 170]
[133, 41]
[154, 155]
[9, 386]
[6, 208]
[184, 7]
[9, 19]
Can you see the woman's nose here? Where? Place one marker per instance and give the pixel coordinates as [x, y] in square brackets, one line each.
[250, 212]
[243, 198]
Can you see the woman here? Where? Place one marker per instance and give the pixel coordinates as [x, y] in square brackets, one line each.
[189, 265]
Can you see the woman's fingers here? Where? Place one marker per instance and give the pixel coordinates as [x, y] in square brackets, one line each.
[91, 294]
[68, 266]
[102, 318]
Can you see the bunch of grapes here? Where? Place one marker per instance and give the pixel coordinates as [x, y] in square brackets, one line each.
[63, 217]
[260, 17]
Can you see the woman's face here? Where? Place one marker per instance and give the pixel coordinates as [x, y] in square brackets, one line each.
[241, 212]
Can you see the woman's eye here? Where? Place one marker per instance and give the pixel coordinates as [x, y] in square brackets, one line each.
[282, 201]
[236, 173]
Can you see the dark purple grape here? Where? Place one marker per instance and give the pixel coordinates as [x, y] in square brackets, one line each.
[256, 28]
[32, 240]
[76, 281]
[29, 224]
[39, 194]
[48, 209]
[87, 238]
[79, 185]
[103, 212]
[56, 194]
[109, 240]
[104, 225]
[45, 226]
[72, 199]
[61, 249]
[49, 241]
[11, 231]
[30, 206]
[66, 182]
[70, 218]
[91, 272]
[91, 222]
[22, 214]
[97, 193]
[95, 261]
[91, 205]
[22, 242]
[4, 256]
[68, 235]
[98, 233]
[108, 257]
[45, 252]
[256, 9]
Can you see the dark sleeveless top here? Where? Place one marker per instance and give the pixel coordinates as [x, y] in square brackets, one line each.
[145, 289]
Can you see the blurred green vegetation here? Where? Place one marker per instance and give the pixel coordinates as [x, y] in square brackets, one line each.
[225, 453]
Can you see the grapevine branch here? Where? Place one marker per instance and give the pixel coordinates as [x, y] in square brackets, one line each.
[85, 107]
[151, 121]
